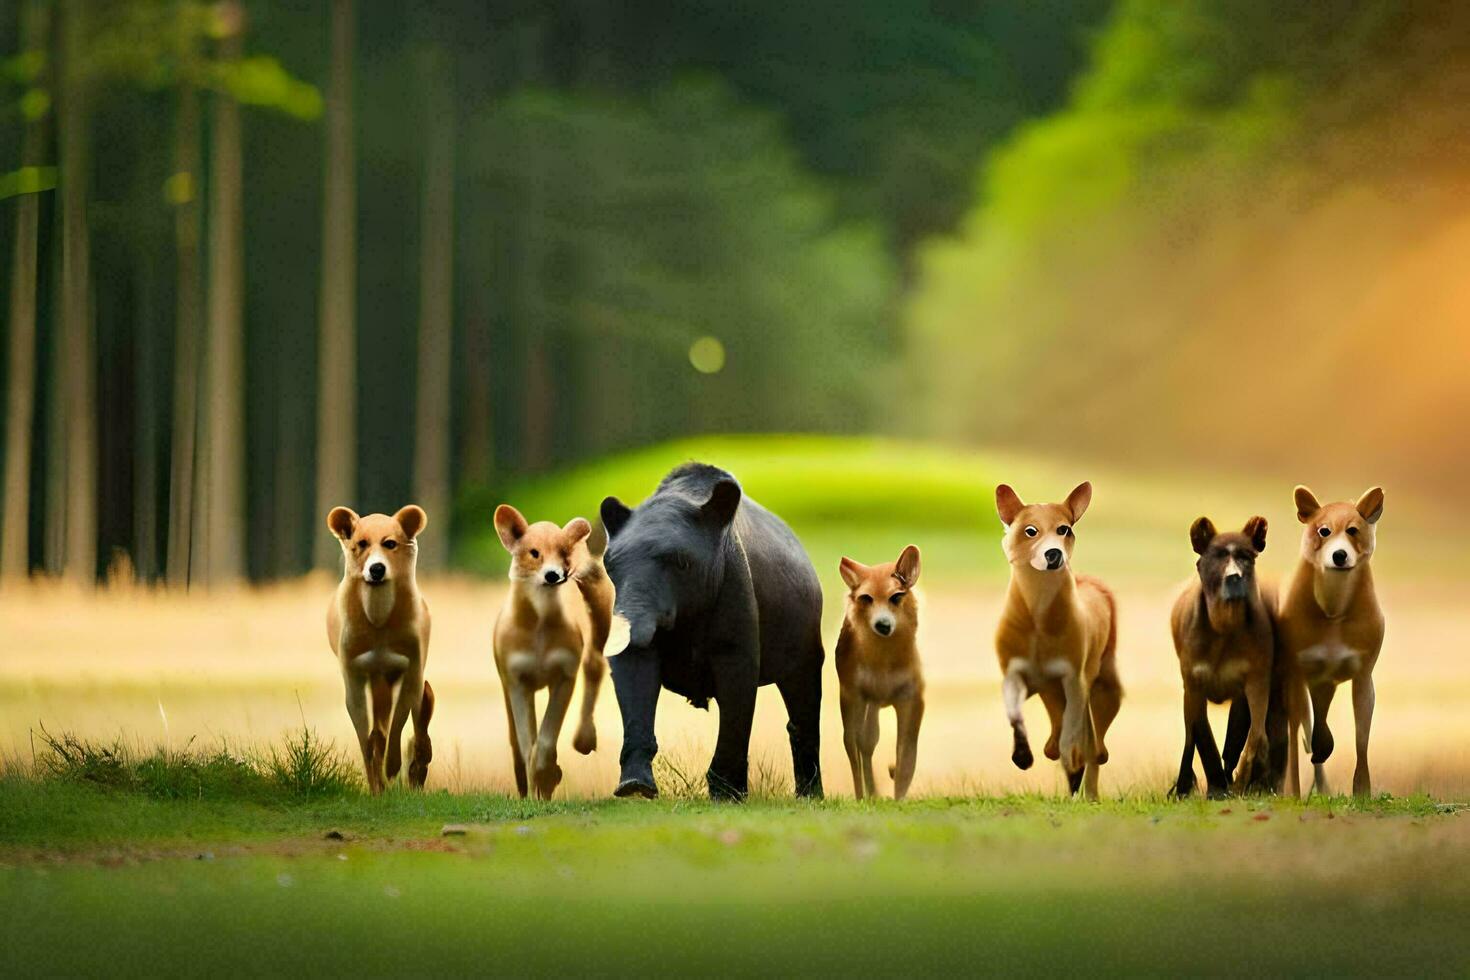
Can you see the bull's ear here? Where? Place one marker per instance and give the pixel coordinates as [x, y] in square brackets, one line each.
[852, 572]
[1078, 500]
[907, 568]
[577, 529]
[1007, 504]
[1201, 533]
[615, 514]
[1255, 529]
[412, 519]
[510, 525]
[341, 521]
[1306, 504]
[723, 501]
[1370, 505]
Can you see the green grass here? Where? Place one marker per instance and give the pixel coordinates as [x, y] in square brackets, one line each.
[111, 877]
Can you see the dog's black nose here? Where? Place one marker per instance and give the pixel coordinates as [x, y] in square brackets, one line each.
[377, 570]
[883, 626]
[552, 577]
[1053, 557]
[1339, 558]
[1233, 579]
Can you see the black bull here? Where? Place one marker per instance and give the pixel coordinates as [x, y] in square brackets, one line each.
[720, 599]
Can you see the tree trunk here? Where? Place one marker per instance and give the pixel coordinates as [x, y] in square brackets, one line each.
[436, 310]
[79, 486]
[185, 197]
[336, 449]
[221, 553]
[21, 387]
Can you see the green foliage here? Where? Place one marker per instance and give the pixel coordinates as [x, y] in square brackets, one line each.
[262, 81]
[27, 180]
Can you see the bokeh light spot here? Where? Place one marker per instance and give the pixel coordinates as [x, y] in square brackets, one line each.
[707, 355]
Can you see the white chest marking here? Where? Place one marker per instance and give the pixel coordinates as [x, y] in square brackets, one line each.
[380, 661]
[540, 669]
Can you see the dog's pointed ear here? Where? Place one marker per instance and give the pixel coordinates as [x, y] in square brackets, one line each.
[1370, 505]
[1007, 504]
[341, 521]
[510, 525]
[723, 501]
[577, 529]
[1255, 529]
[1201, 533]
[852, 572]
[615, 514]
[412, 519]
[1078, 500]
[1306, 504]
[907, 568]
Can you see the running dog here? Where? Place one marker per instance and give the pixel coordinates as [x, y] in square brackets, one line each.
[1057, 637]
[878, 666]
[544, 633]
[378, 627]
[1225, 637]
[1332, 626]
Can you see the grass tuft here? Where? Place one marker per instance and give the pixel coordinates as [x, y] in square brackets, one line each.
[304, 768]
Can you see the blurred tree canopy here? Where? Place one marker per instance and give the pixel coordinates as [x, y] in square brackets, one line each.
[1242, 206]
[661, 218]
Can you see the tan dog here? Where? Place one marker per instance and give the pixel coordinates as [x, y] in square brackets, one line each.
[1057, 637]
[378, 626]
[878, 666]
[544, 632]
[1331, 626]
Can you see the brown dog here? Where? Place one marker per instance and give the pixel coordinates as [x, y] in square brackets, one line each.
[1332, 626]
[878, 666]
[378, 626]
[1225, 637]
[544, 632]
[1057, 637]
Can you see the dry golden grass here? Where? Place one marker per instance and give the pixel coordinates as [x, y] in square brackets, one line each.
[248, 666]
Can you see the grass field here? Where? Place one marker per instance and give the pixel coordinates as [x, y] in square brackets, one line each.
[97, 881]
[200, 845]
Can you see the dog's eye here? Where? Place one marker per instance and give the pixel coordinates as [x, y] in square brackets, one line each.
[1064, 530]
[535, 553]
[896, 598]
[362, 544]
[1030, 532]
[1352, 532]
[866, 600]
[390, 544]
[1325, 532]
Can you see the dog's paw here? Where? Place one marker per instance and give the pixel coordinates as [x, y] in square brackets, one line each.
[1322, 745]
[1052, 750]
[1073, 757]
[585, 740]
[1102, 754]
[1074, 781]
[1021, 755]
[1183, 786]
[547, 780]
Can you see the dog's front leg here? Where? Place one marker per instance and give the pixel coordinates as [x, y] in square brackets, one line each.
[1194, 707]
[868, 744]
[1013, 691]
[1363, 700]
[545, 773]
[854, 711]
[410, 692]
[1074, 722]
[910, 716]
[357, 709]
[594, 668]
[522, 701]
[1258, 694]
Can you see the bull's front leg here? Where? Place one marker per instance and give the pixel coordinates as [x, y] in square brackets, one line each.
[736, 677]
[635, 676]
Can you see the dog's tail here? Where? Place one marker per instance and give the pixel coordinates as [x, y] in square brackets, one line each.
[595, 586]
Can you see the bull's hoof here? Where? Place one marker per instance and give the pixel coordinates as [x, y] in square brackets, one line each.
[1322, 744]
[638, 788]
[1183, 786]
